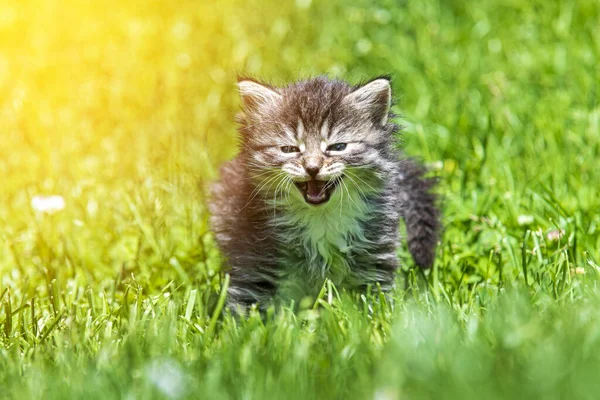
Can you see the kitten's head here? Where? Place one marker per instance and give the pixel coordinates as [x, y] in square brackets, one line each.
[311, 135]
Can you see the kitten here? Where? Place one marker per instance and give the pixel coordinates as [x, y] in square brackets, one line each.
[317, 192]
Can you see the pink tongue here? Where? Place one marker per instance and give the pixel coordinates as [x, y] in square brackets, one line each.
[315, 187]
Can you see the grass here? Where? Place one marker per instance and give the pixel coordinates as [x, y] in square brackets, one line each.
[127, 111]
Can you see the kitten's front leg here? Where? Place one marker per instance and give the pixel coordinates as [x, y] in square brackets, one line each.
[248, 287]
[377, 265]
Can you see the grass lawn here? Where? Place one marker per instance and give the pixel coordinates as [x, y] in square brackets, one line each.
[125, 112]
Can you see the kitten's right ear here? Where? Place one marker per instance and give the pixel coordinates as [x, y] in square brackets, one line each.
[256, 96]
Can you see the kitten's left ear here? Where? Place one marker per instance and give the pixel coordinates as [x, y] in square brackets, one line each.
[374, 98]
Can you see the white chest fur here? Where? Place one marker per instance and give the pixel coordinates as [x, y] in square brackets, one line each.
[326, 233]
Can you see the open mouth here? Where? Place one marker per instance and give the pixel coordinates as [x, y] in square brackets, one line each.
[317, 192]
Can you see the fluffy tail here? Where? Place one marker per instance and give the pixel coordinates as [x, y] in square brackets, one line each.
[420, 213]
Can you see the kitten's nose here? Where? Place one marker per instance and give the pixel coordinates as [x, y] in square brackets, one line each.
[312, 165]
[312, 171]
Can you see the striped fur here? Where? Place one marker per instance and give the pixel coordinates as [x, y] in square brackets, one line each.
[277, 244]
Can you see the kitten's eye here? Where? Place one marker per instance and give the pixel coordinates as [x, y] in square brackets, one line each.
[337, 147]
[290, 149]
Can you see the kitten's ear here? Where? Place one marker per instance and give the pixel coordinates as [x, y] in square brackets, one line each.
[374, 98]
[256, 96]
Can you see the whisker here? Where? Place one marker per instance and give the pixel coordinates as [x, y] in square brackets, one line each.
[357, 186]
[360, 179]
[348, 191]
[279, 185]
[290, 182]
[341, 197]
[258, 188]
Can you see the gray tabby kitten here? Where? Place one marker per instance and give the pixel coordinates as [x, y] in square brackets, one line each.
[317, 192]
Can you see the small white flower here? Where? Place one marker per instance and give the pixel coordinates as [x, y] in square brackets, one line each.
[555, 235]
[48, 204]
[525, 219]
